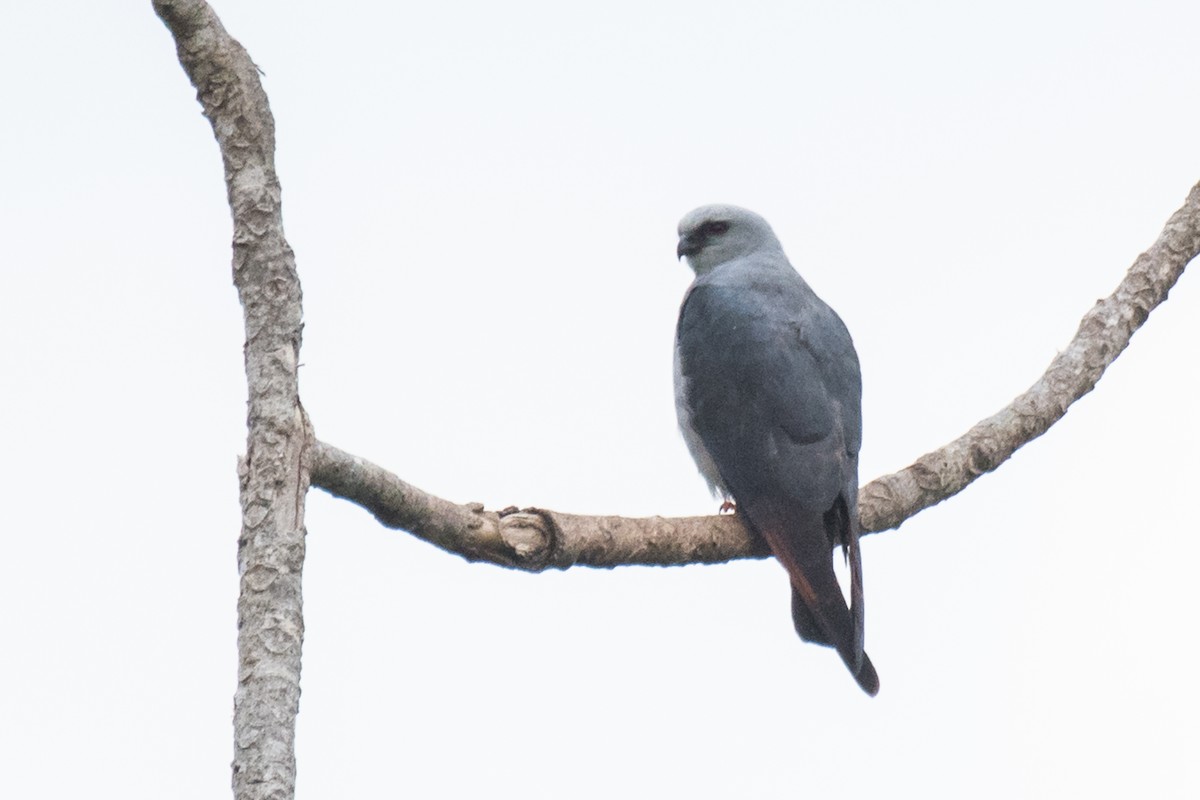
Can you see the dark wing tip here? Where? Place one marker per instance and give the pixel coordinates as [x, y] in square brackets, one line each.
[867, 679]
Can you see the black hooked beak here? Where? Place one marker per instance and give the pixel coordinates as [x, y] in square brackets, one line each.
[689, 245]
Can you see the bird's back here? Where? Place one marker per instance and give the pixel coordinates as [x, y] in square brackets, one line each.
[771, 381]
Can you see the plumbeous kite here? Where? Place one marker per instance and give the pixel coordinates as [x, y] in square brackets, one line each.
[769, 397]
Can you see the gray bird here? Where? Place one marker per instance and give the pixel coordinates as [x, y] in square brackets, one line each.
[769, 397]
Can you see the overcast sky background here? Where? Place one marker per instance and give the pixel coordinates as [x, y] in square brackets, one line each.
[482, 198]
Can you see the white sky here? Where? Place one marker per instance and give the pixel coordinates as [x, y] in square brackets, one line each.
[483, 198]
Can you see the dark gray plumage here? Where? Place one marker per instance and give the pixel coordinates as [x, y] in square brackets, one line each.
[768, 393]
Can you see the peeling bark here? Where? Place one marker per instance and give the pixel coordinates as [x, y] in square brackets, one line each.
[274, 475]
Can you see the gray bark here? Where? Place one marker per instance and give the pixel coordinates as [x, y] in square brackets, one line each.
[274, 474]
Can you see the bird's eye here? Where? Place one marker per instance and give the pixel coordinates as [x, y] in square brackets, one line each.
[715, 228]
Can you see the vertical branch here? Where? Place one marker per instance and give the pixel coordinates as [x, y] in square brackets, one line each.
[274, 474]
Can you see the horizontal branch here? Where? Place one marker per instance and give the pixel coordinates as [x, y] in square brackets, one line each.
[531, 538]
[536, 539]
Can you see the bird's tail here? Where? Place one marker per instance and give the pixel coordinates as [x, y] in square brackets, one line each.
[819, 611]
[810, 631]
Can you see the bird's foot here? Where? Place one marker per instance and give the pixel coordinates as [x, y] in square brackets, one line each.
[727, 507]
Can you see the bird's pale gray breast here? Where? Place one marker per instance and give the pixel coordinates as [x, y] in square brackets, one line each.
[704, 461]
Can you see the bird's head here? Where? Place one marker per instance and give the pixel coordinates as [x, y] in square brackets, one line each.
[712, 235]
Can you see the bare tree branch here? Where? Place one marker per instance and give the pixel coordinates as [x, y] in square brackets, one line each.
[531, 538]
[1104, 333]
[274, 474]
[535, 539]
